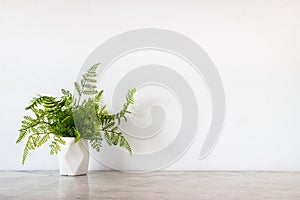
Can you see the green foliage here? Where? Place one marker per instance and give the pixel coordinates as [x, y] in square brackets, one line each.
[81, 117]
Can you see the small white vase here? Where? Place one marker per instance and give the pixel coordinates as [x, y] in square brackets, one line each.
[74, 157]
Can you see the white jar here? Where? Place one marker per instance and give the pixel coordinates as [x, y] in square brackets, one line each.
[74, 157]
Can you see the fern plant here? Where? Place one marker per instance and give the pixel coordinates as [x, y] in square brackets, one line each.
[69, 116]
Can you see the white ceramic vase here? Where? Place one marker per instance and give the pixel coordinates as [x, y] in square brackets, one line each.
[74, 157]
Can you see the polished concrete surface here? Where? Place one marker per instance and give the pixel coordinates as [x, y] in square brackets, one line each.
[158, 185]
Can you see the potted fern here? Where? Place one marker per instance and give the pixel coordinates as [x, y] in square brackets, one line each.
[70, 121]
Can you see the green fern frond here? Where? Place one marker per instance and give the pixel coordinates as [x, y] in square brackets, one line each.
[93, 68]
[36, 140]
[115, 139]
[90, 80]
[129, 96]
[90, 86]
[33, 103]
[107, 138]
[77, 87]
[61, 141]
[44, 139]
[89, 92]
[114, 129]
[25, 153]
[102, 110]
[84, 77]
[122, 141]
[96, 141]
[127, 146]
[26, 123]
[108, 125]
[29, 146]
[28, 118]
[65, 92]
[22, 135]
[54, 146]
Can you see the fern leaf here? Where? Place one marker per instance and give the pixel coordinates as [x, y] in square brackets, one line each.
[22, 135]
[25, 154]
[52, 149]
[129, 96]
[114, 139]
[89, 92]
[93, 68]
[96, 142]
[98, 96]
[109, 125]
[65, 92]
[28, 146]
[102, 109]
[114, 129]
[107, 138]
[84, 77]
[28, 118]
[90, 75]
[77, 87]
[54, 146]
[26, 123]
[122, 141]
[44, 139]
[61, 141]
[91, 80]
[90, 86]
[33, 103]
[127, 146]
[35, 140]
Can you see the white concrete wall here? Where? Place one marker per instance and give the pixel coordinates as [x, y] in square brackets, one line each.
[254, 44]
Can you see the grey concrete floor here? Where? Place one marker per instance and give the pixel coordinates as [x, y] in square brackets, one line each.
[158, 185]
